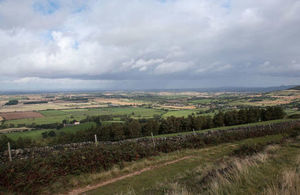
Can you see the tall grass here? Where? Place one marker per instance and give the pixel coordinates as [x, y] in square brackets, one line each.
[289, 182]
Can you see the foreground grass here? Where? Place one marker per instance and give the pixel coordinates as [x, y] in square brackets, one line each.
[147, 180]
[274, 171]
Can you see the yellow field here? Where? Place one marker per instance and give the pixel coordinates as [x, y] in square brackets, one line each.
[266, 103]
[188, 93]
[122, 102]
[15, 129]
[50, 105]
[59, 104]
[179, 107]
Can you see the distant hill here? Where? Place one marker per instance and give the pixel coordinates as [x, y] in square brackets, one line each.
[212, 89]
[296, 88]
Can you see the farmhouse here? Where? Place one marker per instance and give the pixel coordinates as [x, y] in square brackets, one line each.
[72, 124]
[76, 123]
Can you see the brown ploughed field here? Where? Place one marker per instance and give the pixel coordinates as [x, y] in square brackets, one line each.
[20, 115]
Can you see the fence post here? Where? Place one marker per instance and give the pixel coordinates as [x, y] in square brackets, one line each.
[9, 152]
[96, 140]
[153, 139]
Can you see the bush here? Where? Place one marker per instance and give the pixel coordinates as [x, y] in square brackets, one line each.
[51, 134]
[246, 150]
[295, 132]
[294, 116]
[12, 102]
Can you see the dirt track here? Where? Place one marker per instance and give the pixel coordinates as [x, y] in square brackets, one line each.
[88, 188]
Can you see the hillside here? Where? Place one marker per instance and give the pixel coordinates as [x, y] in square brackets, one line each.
[117, 168]
[295, 88]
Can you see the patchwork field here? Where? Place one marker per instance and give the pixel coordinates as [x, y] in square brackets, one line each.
[135, 105]
[57, 116]
[121, 101]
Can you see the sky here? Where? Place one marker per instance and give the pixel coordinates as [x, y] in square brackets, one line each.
[148, 44]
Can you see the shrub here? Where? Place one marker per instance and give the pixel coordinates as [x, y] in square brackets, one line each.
[246, 150]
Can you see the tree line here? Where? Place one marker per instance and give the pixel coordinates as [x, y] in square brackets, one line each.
[133, 128]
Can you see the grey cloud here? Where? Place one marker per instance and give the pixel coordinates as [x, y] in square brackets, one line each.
[142, 42]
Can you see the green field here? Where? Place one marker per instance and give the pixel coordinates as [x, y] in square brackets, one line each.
[37, 134]
[180, 113]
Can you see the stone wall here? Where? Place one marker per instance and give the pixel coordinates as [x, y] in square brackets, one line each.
[44, 151]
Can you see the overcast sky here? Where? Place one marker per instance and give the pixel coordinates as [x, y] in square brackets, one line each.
[142, 44]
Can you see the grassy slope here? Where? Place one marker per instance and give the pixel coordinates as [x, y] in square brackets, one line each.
[273, 173]
[146, 181]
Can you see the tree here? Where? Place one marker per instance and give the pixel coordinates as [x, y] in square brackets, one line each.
[117, 132]
[12, 102]
[163, 127]
[51, 134]
[44, 135]
[242, 116]
[151, 126]
[133, 128]
[219, 119]
[3, 142]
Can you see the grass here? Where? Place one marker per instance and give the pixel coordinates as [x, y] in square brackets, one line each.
[35, 134]
[276, 170]
[252, 175]
[73, 129]
[180, 113]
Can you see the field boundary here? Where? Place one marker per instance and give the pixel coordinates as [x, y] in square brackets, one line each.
[13, 130]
